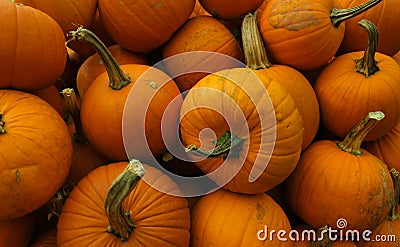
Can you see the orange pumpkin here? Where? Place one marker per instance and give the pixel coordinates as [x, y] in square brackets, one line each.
[93, 66]
[356, 83]
[291, 79]
[387, 148]
[52, 96]
[36, 153]
[67, 13]
[339, 180]
[224, 218]
[305, 34]
[384, 16]
[230, 9]
[40, 56]
[198, 10]
[107, 100]
[17, 232]
[113, 207]
[143, 25]
[229, 119]
[201, 33]
[397, 57]
[386, 233]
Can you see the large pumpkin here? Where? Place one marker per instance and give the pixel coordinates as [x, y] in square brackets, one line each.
[291, 79]
[305, 34]
[32, 48]
[385, 16]
[36, 153]
[17, 232]
[224, 218]
[200, 33]
[111, 206]
[356, 83]
[340, 182]
[245, 127]
[143, 25]
[136, 93]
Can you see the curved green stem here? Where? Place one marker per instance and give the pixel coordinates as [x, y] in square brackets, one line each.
[2, 130]
[253, 45]
[118, 79]
[121, 224]
[339, 15]
[368, 65]
[227, 143]
[394, 213]
[352, 142]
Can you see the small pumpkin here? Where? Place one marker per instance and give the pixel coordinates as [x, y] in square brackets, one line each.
[224, 218]
[228, 124]
[52, 96]
[291, 79]
[143, 25]
[335, 180]
[36, 153]
[105, 102]
[305, 34]
[201, 33]
[46, 238]
[386, 233]
[356, 83]
[40, 56]
[134, 213]
[384, 16]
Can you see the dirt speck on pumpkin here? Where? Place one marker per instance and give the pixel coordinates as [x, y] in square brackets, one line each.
[17, 175]
[261, 211]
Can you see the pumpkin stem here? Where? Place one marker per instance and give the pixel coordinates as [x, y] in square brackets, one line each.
[118, 78]
[322, 238]
[74, 111]
[121, 224]
[226, 143]
[339, 15]
[394, 213]
[253, 45]
[368, 65]
[2, 130]
[352, 142]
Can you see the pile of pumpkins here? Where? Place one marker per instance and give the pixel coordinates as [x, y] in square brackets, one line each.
[304, 135]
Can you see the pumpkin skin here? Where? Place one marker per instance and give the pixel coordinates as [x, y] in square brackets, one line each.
[198, 10]
[201, 33]
[17, 232]
[132, 24]
[224, 218]
[53, 97]
[35, 158]
[67, 13]
[385, 16]
[160, 219]
[93, 66]
[329, 184]
[228, 9]
[40, 56]
[345, 95]
[387, 148]
[289, 130]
